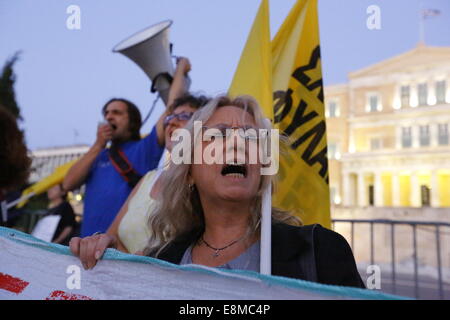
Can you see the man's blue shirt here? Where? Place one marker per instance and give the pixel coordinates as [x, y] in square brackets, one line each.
[106, 189]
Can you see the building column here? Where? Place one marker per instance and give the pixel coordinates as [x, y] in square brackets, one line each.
[434, 189]
[415, 136]
[346, 192]
[434, 134]
[362, 192]
[398, 137]
[431, 94]
[351, 141]
[413, 95]
[395, 190]
[379, 190]
[415, 192]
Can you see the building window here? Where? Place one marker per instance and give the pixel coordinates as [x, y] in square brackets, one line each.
[425, 193]
[441, 88]
[423, 94]
[376, 144]
[424, 136]
[406, 137]
[371, 195]
[332, 110]
[404, 95]
[373, 103]
[443, 134]
[333, 151]
[332, 194]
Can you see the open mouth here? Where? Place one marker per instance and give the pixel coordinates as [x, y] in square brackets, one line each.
[234, 170]
[113, 126]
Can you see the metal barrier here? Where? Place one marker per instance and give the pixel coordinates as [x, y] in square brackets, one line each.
[414, 226]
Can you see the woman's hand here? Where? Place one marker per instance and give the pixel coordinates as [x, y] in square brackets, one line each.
[90, 249]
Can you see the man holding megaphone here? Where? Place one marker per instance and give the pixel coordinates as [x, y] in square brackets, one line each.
[111, 173]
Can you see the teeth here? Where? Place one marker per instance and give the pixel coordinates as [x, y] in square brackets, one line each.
[237, 162]
[235, 175]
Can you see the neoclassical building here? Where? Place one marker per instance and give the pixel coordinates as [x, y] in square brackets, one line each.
[45, 161]
[388, 132]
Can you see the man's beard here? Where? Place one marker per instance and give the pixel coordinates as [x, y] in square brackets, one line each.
[121, 139]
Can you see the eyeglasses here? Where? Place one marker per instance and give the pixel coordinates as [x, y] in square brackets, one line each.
[246, 132]
[182, 116]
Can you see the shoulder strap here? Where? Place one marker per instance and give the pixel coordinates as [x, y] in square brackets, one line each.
[123, 166]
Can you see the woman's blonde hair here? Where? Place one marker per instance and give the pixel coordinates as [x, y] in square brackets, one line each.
[178, 210]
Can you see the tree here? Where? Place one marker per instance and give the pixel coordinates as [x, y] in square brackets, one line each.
[7, 95]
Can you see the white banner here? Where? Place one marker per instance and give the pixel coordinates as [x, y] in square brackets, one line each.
[34, 269]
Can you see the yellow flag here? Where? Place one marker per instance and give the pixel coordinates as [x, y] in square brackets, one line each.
[43, 185]
[254, 73]
[297, 108]
[299, 113]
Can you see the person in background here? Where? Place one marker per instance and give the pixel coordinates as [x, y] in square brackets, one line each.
[111, 173]
[58, 205]
[130, 227]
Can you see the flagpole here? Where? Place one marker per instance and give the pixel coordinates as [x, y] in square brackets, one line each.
[266, 232]
[421, 24]
[266, 220]
[424, 14]
[11, 204]
[421, 29]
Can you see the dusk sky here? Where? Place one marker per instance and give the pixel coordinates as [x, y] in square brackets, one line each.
[65, 76]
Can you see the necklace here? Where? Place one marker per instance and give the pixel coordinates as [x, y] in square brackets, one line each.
[217, 250]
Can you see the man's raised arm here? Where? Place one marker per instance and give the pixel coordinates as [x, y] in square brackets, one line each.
[177, 89]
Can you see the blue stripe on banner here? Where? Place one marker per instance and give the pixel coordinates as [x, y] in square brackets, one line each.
[112, 254]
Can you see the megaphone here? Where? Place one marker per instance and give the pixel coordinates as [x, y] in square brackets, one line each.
[150, 49]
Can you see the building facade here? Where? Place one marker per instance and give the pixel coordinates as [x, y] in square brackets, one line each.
[45, 161]
[388, 132]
